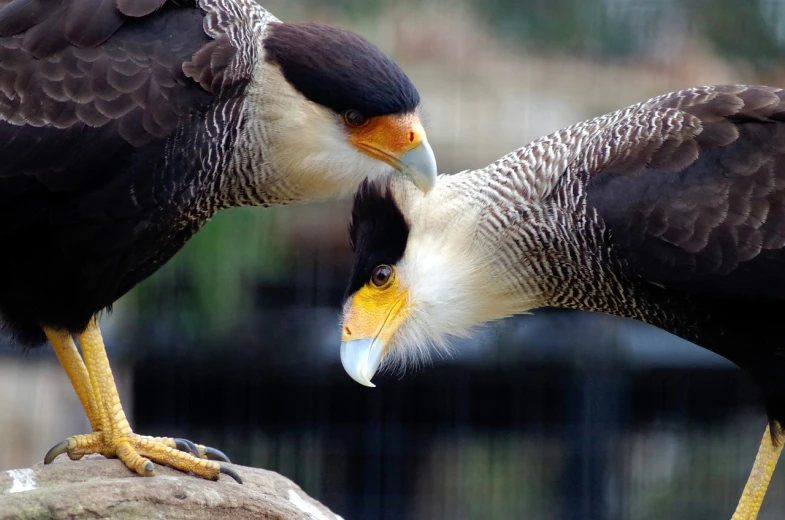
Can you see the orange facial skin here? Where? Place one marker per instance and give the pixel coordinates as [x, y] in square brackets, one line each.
[387, 138]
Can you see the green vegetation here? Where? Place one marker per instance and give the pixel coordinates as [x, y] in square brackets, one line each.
[205, 287]
[751, 31]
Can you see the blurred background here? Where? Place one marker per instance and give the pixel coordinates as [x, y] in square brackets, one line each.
[559, 415]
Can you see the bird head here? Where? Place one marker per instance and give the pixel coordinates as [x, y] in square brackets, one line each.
[420, 275]
[336, 110]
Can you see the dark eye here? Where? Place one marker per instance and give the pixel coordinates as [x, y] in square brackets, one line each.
[354, 118]
[381, 275]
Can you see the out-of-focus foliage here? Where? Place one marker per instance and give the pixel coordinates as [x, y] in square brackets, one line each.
[565, 26]
[205, 287]
[752, 31]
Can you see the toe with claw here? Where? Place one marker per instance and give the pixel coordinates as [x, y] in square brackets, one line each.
[139, 452]
[200, 451]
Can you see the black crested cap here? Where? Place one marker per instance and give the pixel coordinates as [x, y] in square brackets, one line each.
[339, 69]
[378, 231]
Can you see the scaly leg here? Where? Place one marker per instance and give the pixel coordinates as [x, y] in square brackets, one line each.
[76, 371]
[758, 481]
[112, 435]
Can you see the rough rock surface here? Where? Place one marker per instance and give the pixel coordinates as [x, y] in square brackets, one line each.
[95, 487]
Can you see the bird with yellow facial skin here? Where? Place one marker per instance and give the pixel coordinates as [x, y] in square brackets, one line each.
[670, 212]
[126, 125]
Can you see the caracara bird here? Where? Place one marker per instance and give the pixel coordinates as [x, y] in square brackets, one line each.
[126, 124]
[671, 212]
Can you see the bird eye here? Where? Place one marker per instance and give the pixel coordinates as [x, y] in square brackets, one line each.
[354, 118]
[381, 275]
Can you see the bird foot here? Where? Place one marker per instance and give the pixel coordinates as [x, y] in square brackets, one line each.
[138, 452]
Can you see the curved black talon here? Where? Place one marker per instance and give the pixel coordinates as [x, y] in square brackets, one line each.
[232, 473]
[187, 446]
[213, 454]
[209, 453]
[57, 449]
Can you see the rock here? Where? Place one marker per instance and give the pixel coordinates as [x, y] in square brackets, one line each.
[95, 487]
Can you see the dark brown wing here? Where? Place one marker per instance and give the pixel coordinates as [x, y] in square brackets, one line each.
[700, 206]
[81, 81]
[51, 25]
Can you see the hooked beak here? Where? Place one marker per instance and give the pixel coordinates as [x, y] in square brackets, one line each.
[399, 141]
[419, 164]
[361, 358]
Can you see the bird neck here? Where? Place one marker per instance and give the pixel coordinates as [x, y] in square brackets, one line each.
[268, 183]
[551, 252]
[290, 150]
[253, 177]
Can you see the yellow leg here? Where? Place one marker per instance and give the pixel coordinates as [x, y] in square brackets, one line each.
[112, 435]
[76, 371]
[758, 481]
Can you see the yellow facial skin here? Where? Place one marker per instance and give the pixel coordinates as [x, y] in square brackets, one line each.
[373, 318]
[399, 141]
[375, 313]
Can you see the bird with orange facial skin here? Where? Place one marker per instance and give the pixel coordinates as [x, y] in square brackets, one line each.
[126, 125]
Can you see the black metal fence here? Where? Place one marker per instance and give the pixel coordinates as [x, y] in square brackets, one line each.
[560, 415]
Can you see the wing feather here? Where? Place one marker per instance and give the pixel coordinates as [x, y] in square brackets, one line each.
[79, 73]
[138, 8]
[102, 17]
[19, 15]
[698, 204]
